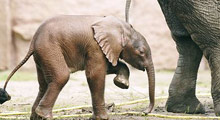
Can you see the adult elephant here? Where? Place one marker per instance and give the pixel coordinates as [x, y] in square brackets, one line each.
[195, 27]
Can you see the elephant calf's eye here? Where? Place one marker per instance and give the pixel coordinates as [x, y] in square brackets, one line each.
[141, 52]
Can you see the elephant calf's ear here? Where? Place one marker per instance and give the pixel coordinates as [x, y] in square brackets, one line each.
[109, 34]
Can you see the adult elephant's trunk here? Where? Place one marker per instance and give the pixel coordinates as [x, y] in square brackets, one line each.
[151, 81]
[127, 7]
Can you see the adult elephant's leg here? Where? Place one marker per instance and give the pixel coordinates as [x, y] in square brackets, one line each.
[182, 98]
[122, 74]
[212, 55]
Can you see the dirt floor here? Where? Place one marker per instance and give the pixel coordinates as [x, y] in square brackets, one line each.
[76, 93]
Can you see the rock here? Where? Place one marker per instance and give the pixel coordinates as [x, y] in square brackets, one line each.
[25, 31]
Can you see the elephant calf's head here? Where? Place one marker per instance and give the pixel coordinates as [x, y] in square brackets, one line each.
[119, 39]
[4, 96]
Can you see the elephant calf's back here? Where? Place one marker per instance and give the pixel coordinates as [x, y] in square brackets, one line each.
[71, 35]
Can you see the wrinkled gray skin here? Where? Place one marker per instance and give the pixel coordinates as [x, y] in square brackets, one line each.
[66, 44]
[195, 27]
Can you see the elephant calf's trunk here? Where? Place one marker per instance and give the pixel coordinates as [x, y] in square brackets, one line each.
[151, 81]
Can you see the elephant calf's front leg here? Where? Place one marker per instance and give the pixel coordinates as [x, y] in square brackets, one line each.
[122, 78]
[96, 79]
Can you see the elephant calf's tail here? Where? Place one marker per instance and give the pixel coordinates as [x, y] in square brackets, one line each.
[30, 52]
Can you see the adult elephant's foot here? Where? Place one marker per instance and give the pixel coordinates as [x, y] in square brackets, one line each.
[179, 104]
[216, 101]
[217, 110]
[45, 113]
[121, 81]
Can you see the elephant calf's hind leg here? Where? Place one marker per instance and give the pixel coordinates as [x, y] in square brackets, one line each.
[56, 74]
[122, 75]
[42, 90]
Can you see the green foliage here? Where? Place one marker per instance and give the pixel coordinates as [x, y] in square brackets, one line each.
[19, 76]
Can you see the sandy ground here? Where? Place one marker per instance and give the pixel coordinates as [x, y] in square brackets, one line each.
[76, 92]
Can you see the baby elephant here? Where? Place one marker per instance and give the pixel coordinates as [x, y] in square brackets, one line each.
[66, 44]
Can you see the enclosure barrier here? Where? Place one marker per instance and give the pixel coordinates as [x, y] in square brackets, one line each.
[12, 115]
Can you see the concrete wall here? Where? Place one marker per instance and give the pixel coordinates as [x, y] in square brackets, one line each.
[26, 16]
[5, 34]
